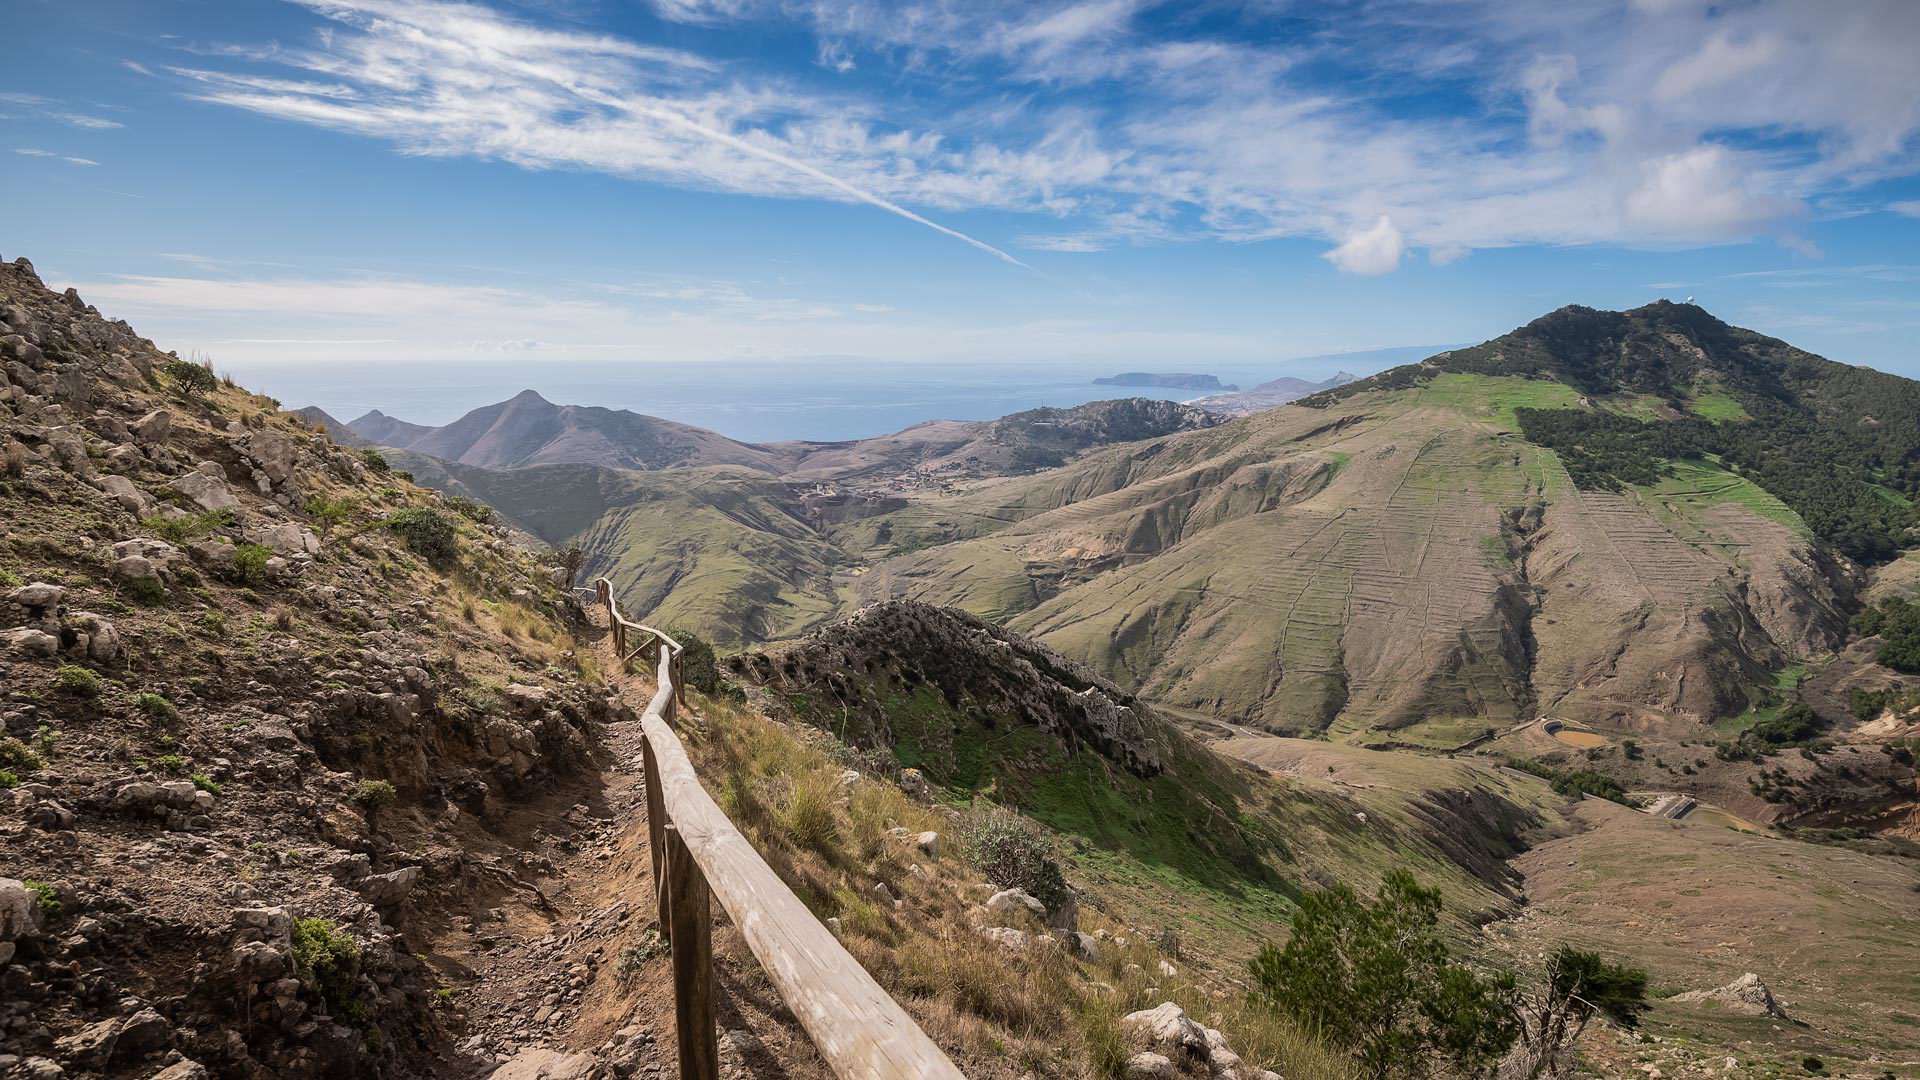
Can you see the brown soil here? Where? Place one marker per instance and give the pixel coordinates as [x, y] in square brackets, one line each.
[572, 958]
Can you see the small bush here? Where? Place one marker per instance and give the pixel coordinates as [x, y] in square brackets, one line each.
[155, 706]
[372, 797]
[213, 623]
[179, 530]
[330, 512]
[205, 783]
[1014, 855]
[425, 532]
[471, 509]
[189, 378]
[403, 474]
[250, 563]
[697, 660]
[76, 680]
[171, 764]
[146, 591]
[16, 756]
[44, 897]
[328, 961]
[9, 779]
[376, 461]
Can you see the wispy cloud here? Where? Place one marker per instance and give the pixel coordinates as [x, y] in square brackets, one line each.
[1121, 122]
[443, 78]
[35, 152]
[52, 109]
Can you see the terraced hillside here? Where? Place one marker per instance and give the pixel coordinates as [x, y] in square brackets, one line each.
[1399, 563]
[1582, 519]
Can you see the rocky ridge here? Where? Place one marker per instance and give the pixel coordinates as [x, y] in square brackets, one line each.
[266, 708]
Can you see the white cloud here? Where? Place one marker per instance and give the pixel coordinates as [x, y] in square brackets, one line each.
[1673, 122]
[1909, 209]
[1375, 249]
[1068, 244]
[33, 152]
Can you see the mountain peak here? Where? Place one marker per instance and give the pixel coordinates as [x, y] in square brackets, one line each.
[528, 397]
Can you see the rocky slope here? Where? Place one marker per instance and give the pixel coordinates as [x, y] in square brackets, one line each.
[1397, 560]
[266, 709]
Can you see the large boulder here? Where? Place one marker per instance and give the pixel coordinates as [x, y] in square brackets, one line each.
[1013, 901]
[154, 427]
[37, 597]
[273, 452]
[285, 539]
[1167, 1026]
[127, 494]
[206, 485]
[94, 637]
[1748, 995]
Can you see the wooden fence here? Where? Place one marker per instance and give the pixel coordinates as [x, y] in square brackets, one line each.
[698, 856]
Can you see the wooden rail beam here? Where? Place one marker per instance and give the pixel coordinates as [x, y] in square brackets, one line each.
[698, 855]
[692, 917]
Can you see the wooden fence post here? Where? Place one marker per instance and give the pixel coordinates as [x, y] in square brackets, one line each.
[692, 963]
[671, 677]
[656, 833]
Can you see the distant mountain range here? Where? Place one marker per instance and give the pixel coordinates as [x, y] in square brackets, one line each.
[1269, 394]
[1175, 379]
[528, 430]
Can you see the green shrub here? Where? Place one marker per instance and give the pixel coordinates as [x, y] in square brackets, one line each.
[328, 961]
[9, 779]
[16, 756]
[1377, 977]
[376, 461]
[403, 474]
[250, 563]
[205, 783]
[373, 796]
[179, 530]
[213, 622]
[1794, 726]
[471, 509]
[697, 660]
[145, 591]
[171, 764]
[76, 680]
[425, 532]
[155, 706]
[190, 378]
[329, 512]
[1014, 855]
[44, 897]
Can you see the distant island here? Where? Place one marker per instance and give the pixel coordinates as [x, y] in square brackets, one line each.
[1181, 379]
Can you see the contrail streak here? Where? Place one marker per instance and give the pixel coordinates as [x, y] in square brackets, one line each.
[801, 167]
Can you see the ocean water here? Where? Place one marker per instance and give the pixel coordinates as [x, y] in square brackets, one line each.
[755, 401]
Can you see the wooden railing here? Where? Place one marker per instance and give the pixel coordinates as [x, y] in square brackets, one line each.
[698, 854]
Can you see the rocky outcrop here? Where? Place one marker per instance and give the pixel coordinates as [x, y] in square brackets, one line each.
[1747, 995]
[978, 669]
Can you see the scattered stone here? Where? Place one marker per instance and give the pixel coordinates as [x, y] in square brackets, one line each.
[1168, 1025]
[915, 785]
[929, 844]
[206, 486]
[154, 427]
[1149, 1066]
[1009, 901]
[1747, 994]
[1007, 938]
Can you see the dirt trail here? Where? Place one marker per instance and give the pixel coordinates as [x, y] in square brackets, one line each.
[565, 976]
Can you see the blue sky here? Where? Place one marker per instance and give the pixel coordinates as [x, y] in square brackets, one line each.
[1162, 185]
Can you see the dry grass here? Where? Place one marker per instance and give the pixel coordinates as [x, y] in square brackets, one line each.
[999, 1013]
